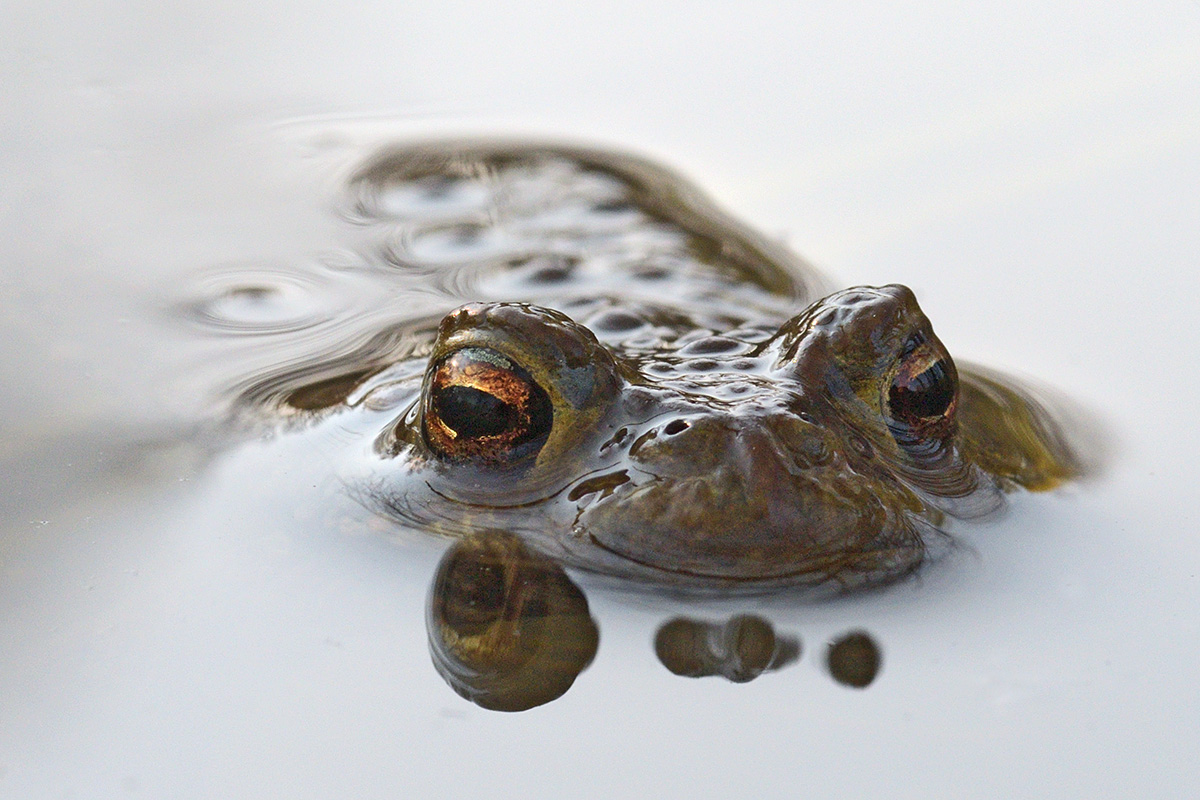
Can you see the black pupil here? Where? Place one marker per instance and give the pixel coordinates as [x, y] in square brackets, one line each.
[925, 395]
[473, 413]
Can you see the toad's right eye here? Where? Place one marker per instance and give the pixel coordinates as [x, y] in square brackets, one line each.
[922, 398]
[482, 407]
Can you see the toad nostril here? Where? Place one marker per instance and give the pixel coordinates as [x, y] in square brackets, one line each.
[675, 426]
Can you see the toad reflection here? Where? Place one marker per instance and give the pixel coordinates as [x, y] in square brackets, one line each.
[508, 630]
[738, 650]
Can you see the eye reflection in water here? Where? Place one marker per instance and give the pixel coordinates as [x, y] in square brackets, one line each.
[508, 630]
[739, 650]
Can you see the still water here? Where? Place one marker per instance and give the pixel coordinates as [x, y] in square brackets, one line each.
[200, 597]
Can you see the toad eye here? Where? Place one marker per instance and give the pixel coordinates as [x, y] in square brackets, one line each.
[480, 406]
[922, 397]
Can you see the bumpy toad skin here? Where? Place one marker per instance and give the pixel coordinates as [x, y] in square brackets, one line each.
[648, 389]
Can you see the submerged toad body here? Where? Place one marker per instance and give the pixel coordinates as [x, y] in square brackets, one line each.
[646, 388]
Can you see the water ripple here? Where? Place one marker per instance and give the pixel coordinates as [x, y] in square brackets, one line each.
[256, 300]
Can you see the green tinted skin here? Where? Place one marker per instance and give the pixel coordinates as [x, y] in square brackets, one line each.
[687, 419]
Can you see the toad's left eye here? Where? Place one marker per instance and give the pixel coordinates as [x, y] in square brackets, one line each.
[922, 396]
[482, 407]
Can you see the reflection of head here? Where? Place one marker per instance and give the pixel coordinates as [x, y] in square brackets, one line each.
[508, 630]
[739, 650]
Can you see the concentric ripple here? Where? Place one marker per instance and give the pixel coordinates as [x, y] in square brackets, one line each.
[253, 300]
